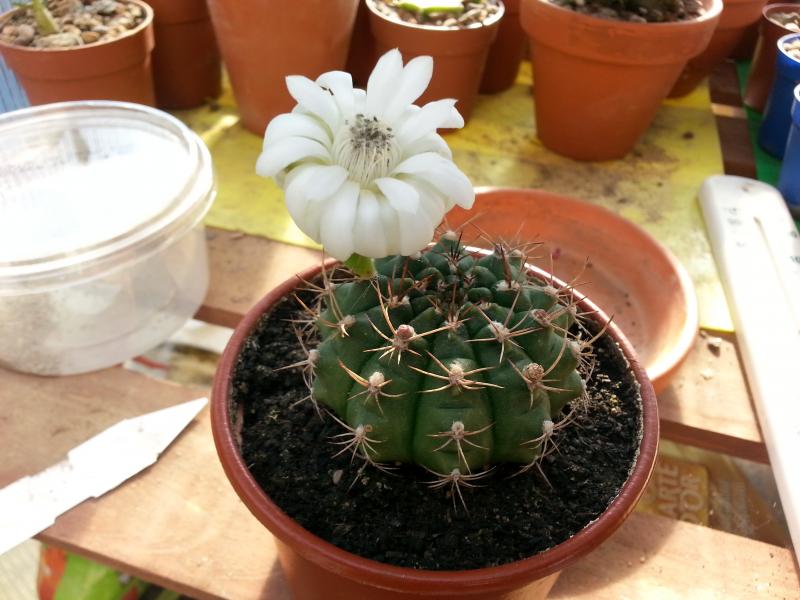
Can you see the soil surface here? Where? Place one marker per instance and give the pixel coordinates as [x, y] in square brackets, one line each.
[474, 13]
[637, 11]
[396, 517]
[789, 20]
[78, 23]
[792, 48]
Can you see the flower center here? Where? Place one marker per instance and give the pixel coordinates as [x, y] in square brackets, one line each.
[367, 148]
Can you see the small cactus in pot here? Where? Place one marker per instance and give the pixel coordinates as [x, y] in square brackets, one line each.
[431, 354]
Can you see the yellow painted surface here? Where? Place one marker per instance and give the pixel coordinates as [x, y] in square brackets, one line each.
[655, 186]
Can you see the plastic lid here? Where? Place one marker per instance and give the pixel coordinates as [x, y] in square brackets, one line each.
[87, 186]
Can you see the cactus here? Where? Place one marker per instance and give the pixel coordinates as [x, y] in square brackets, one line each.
[449, 360]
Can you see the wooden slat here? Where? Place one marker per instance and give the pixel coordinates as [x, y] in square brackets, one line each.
[180, 524]
[244, 268]
[737, 153]
[708, 402]
[724, 85]
[41, 418]
[734, 137]
[656, 558]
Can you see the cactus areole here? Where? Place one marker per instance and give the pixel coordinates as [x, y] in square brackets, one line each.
[450, 360]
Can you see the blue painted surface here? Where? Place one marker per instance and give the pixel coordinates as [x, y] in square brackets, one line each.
[11, 94]
[789, 183]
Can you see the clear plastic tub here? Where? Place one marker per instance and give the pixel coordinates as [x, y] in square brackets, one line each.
[102, 247]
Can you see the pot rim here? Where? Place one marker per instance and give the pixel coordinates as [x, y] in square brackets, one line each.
[785, 39]
[488, 23]
[333, 558]
[779, 6]
[714, 10]
[146, 22]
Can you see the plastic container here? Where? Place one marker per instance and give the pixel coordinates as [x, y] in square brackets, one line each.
[762, 69]
[777, 118]
[789, 182]
[102, 247]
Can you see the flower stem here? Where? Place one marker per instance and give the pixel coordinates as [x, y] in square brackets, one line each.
[361, 265]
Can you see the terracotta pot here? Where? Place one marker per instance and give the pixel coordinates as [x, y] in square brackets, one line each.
[263, 41]
[459, 54]
[747, 45]
[736, 17]
[116, 70]
[186, 62]
[316, 569]
[599, 82]
[762, 70]
[362, 55]
[505, 55]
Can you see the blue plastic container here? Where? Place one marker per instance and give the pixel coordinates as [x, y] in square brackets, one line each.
[789, 183]
[777, 115]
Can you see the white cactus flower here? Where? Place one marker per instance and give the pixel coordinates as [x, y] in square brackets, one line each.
[364, 172]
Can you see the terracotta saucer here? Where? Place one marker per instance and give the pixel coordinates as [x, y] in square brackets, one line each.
[617, 264]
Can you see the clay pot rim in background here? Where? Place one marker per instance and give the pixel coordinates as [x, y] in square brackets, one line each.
[581, 21]
[739, 18]
[146, 22]
[716, 8]
[487, 23]
[780, 7]
[371, 572]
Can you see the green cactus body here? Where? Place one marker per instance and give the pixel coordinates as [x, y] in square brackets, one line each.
[447, 360]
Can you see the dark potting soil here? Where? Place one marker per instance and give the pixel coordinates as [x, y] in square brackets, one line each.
[637, 11]
[396, 517]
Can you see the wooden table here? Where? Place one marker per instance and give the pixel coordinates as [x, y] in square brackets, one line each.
[180, 524]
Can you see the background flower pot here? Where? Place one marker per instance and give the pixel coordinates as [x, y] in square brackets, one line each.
[117, 70]
[263, 41]
[599, 82]
[736, 17]
[361, 57]
[789, 182]
[459, 55]
[777, 121]
[506, 52]
[762, 70]
[186, 64]
[316, 569]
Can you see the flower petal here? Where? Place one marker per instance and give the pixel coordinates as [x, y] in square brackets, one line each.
[415, 232]
[336, 228]
[416, 77]
[431, 203]
[368, 235]
[391, 233]
[296, 125]
[383, 82]
[341, 86]
[401, 196]
[295, 186]
[442, 174]
[430, 143]
[311, 183]
[427, 120]
[276, 157]
[314, 99]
